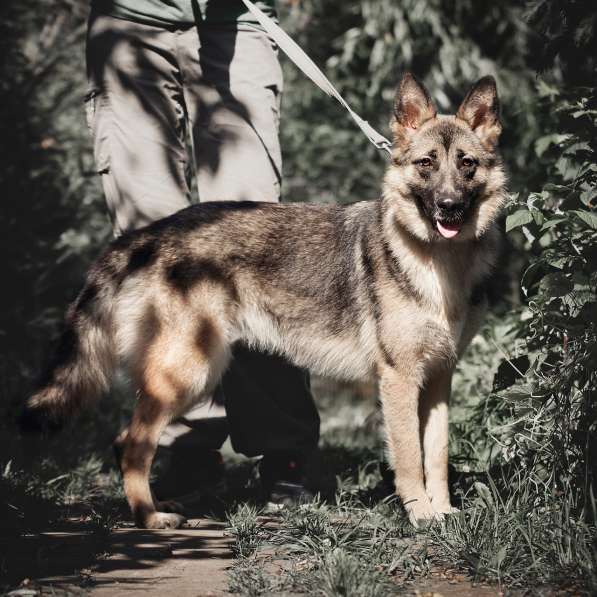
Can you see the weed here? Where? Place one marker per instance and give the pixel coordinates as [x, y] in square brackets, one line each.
[248, 578]
[342, 573]
[243, 524]
[514, 542]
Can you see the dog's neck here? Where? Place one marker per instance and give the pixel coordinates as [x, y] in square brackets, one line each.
[444, 272]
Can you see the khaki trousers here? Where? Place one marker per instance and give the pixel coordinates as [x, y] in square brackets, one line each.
[151, 90]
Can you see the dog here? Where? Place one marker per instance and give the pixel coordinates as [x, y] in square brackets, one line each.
[392, 288]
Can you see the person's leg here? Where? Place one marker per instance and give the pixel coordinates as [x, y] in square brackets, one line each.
[234, 106]
[233, 94]
[137, 116]
[269, 404]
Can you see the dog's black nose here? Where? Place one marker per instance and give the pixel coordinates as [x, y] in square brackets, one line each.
[449, 204]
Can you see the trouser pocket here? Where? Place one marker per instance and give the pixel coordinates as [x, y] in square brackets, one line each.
[89, 103]
[97, 115]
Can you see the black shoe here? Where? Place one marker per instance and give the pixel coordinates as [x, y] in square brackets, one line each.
[283, 480]
[190, 473]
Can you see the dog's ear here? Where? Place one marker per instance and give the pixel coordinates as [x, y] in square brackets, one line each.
[480, 109]
[412, 107]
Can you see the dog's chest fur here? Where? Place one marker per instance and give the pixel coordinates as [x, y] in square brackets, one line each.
[436, 318]
[420, 295]
[359, 296]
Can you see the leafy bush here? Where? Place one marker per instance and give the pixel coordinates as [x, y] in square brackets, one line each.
[545, 404]
[543, 411]
[52, 220]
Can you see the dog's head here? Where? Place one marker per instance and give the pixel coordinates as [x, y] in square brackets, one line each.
[446, 181]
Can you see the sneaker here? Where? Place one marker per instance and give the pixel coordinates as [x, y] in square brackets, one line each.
[190, 474]
[283, 480]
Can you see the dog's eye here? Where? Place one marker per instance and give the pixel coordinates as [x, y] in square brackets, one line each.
[467, 162]
[425, 162]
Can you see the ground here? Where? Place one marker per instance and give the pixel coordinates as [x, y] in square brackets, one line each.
[71, 534]
[186, 562]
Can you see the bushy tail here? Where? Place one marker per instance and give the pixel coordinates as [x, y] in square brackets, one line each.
[82, 365]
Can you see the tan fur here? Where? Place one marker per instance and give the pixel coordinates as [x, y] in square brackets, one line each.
[367, 290]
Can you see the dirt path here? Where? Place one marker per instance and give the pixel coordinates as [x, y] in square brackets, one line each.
[183, 563]
[189, 562]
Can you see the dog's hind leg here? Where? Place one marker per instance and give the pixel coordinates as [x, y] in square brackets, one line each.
[159, 505]
[152, 413]
[179, 367]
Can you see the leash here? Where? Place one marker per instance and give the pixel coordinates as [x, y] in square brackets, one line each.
[311, 70]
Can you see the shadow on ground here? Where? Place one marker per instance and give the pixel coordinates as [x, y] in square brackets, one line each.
[92, 545]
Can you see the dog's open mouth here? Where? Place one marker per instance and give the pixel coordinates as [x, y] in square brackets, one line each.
[448, 229]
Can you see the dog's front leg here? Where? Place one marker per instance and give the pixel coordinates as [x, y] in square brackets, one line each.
[400, 401]
[433, 411]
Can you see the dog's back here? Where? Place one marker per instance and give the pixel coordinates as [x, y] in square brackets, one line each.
[284, 277]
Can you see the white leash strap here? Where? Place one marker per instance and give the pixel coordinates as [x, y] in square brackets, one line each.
[304, 63]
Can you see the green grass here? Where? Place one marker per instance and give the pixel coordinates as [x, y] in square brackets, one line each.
[356, 540]
[511, 541]
[344, 547]
[243, 524]
[355, 547]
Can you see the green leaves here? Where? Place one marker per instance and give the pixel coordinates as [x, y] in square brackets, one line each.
[555, 284]
[545, 414]
[519, 218]
[588, 217]
[543, 143]
[509, 371]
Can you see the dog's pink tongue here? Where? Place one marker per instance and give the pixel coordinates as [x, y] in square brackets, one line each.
[448, 230]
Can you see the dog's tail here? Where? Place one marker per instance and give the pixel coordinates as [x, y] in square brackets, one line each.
[81, 368]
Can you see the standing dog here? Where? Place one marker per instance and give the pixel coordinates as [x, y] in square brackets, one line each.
[391, 288]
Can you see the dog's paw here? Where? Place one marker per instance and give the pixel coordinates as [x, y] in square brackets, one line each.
[450, 510]
[169, 506]
[164, 520]
[444, 508]
[421, 513]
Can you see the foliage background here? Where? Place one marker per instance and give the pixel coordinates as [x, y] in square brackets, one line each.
[525, 394]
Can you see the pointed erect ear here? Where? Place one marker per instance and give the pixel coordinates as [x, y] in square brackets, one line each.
[480, 109]
[412, 108]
